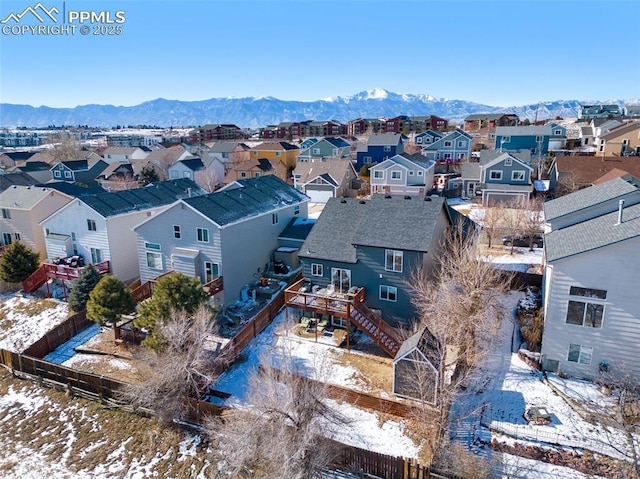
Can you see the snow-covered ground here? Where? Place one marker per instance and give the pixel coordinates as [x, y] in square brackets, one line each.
[24, 320]
[317, 360]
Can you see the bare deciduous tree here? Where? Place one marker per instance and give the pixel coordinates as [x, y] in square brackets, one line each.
[533, 218]
[282, 434]
[491, 222]
[513, 218]
[208, 179]
[182, 369]
[65, 147]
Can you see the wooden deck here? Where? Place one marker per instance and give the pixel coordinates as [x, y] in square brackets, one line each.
[322, 301]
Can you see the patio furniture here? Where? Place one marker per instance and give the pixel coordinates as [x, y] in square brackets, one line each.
[323, 323]
[304, 322]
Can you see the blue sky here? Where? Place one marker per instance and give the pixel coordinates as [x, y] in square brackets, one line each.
[500, 53]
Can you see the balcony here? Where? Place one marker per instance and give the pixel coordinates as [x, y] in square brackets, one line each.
[302, 295]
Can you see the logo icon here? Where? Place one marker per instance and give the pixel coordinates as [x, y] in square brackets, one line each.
[38, 11]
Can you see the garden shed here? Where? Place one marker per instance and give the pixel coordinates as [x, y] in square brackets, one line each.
[416, 367]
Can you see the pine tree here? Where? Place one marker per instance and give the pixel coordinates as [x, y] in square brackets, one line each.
[88, 279]
[18, 263]
[175, 292]
[109, 300]
[148, 175]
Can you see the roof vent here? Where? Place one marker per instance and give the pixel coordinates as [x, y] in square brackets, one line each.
[387, 196]
[407, 197]
[362, 202]
[620, 210]
[426, 198]
[343, 200]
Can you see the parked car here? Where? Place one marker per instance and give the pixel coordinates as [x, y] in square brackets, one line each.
[535, 240]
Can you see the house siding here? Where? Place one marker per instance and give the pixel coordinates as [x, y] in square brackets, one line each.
[612, 269]
[506, 174]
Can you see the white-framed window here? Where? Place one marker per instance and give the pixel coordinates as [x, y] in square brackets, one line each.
[508, 162]
[393, 260]
[186, 174]
[387, 148]
[154, 246]
[177, 232]
[211, 271]
[411, 173]
[174, 175]
[91, 225]
[202, 235]
[557, 132]
[96, 255]
[278, 153]
[67, 174]
[315, 151]
[243, 174]
[274, 218]
[154, 260]
[378, 174]
[6, 214]
[462, 144]
[16, 236]
[420, 173]
[580, 354]
[388, 293]
[448, 144]
[538, 139]
[57, 174]
[367, 160]
[495, 174]
[256, 174]
[419, 140]
[586, 313]
[317, 269]
[396, 175]
[341, 279]
[254, 153]
[506, 139]
[517, 175]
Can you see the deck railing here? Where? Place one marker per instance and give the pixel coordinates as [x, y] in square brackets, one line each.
[323, 301]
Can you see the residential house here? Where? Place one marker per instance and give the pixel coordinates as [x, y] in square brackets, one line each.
[623, 140]
[592, 319]
[23, 207]
[427, 137]
[118, 176]
[498, 176]
[589, 112]
[229, 152]
[539, 139]
[355, 246]
[403, 174]
[255, 169]
[281, 151]
[9, 159]
[124, 154]
[321, 180]
[575, 172]
[162, 159]
[453, 147]
[78, 171]
[38, 170]
[631, 111]
[207, 174]
[480, 121]
[15, 178]
[99, 227]
[591, 133]
[378, 148]
[231, 233]
[324, 149]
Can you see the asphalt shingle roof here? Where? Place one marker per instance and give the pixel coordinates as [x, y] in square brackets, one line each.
[194, 164]
[347, 222]
[591, 196]
[384, 139]
[310, 170]
[23, 197]
[253, 196]
[593, 234]
[153, 195]
[11, 179]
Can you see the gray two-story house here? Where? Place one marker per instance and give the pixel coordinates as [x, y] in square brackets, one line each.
[453, 147]
[330, 148]
[231, 233]
[403, 174]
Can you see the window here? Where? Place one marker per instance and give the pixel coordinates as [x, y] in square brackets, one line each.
[495, 174]
[256, 174]
[6, 214]
[177, 234]
[506, 139]
[173, 175]
[387, 148]
[254, 153]
[517, 175]
[16, 236]
[462, 144]
[420, 172]
[367, 160]
[278, 153]
[57, 174]
[154, 260]
[411, 173]
[341, 279]
[388, 293]
[6, 239]
[186, 174]
[447, 144]
[96, 255]
[378, 175]
[587, 292]
[396, 175]
[91, 225]
[538, 139]
[296, 210]
[585, 314]
[557, 132]
[317, 269]
[243, 174]
[315, 151]
[419, 140]
[508, 162]
[274, 218]
[202, 235]
[393, 260]
[211, 271]
[73, 236]
[580, 354]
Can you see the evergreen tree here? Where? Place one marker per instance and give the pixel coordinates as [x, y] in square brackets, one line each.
[175, 292]
[109, 300]
[88, 279]
[18, 263]
[148, 175]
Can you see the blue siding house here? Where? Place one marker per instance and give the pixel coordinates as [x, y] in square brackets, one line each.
[380, 147]
[537, 139]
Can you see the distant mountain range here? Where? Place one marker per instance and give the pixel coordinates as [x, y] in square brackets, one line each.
[254, 112]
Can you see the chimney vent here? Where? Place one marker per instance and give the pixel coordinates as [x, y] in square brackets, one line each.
[407, 197]
[620, 209]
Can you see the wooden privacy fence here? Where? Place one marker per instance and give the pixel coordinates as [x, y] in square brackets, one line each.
[59, 335]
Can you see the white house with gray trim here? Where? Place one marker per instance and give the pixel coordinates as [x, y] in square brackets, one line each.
[590, 294]
[231, 233]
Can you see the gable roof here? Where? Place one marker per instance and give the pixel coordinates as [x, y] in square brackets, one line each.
[194, 164]
[487, 116]
[11, 179]
[345, 223]
[527, 130]
[593, 234]
[621, 130]
[112, 168]
[334, 168]
[246, 198]
[18, 155]
[487, 156]
[23, 197]
[504, 156]
[586, 169]
[72, 189]
[138, 199]
[34, 166]
[227, 147]
[337, 142]
[385, 139]
[120, 150]
[612, 174]
[166, 155]
[591, 196]
[274, 146]
[424, 341]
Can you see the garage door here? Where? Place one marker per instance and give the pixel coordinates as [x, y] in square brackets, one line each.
[319, 196]
[493, 199]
